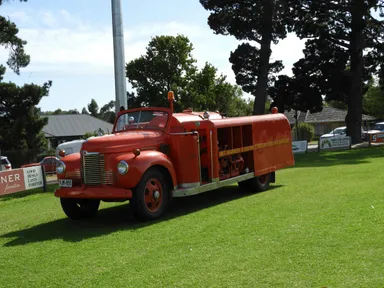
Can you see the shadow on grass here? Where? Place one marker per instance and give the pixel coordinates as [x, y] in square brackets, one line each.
[344, 157]
[120, 218]
[50, 188]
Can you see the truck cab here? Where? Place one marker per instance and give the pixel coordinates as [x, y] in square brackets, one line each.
[154, 155]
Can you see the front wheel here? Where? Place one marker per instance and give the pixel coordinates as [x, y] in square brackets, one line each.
[77, 209]
[151, 196]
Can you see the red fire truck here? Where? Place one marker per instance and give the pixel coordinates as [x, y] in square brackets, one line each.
[154, 155]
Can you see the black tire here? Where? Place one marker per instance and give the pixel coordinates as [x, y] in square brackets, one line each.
[246, 185]
[261, 183]
[146, 203]
[256, 184]
[77, 209]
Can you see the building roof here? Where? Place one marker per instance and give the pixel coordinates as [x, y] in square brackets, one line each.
[74, 125]
[328, 114]
[291, 116]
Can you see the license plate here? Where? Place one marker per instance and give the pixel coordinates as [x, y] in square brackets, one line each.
[65, 182]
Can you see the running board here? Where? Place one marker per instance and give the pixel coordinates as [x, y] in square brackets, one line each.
[211, 186]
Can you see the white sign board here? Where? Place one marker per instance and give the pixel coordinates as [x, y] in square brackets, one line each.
[17, 180]
[340, 142]
[299, 146]
[33, 177]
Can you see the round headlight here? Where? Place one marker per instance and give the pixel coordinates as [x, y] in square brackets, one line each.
[60, 168]
[122, 167]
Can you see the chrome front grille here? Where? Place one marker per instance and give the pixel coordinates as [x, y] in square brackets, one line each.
[93, 169]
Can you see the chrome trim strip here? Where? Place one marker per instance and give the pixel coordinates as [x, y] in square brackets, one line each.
[211, 186]
[89, 153]
[184, 133]
[188, 185]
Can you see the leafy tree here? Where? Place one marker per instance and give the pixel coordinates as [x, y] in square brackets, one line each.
[60, 112]
[209, 91]
[8, 37]
[295, 93]
[304, 131]
[89, 134]
[337, 104]
[20, 121]
[107, 112]
[167, 65]
[93, 108]
[152, 77]
[338, 33]
[260, 21]
[381, 77]
[373, 101]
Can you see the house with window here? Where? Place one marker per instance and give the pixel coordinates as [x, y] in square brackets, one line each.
[63, 128]
[326, 120]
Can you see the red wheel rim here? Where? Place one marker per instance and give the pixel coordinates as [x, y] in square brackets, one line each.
[263, 179]
[153, 195]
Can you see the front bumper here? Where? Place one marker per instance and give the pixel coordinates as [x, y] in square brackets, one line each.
[94, 193]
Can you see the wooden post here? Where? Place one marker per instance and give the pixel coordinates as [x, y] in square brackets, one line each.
[44, 178]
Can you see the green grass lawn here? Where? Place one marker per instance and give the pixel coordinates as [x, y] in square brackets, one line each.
[320, 225]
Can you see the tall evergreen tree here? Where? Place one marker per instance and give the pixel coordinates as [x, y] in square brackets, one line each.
[20, 121]
[260, 21]
[338, 33]
[8, 37]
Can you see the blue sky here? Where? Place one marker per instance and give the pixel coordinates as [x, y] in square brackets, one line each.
[70, 42]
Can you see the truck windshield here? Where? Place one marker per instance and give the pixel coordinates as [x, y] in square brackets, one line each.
[145, 119]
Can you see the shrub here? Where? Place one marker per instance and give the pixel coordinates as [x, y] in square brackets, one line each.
[306, 131]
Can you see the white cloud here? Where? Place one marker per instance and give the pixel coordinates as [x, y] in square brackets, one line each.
[61, 43]
[66, 39]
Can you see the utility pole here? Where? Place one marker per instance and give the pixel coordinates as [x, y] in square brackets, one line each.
[119, 58]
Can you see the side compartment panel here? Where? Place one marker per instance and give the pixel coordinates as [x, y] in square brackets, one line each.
[184, 156]
[273, 145]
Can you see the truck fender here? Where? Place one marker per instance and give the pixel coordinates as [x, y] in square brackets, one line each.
[138, 165]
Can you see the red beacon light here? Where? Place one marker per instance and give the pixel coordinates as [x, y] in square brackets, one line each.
[274, 110]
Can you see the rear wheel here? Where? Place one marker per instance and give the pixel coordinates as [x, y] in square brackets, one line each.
[151, 196]
[256, 184]
[77, 209]
[261, 183]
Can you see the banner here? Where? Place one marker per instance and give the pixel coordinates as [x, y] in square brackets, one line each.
[341, 142]
[18, 180]
[299, 146]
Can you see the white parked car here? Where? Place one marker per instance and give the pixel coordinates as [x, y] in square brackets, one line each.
[378, 127]
[340, 132]
[69, 147]
[5, 164]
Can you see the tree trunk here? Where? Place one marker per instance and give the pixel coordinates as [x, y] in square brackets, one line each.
[265, 53]
[297, 126]
[355, 96]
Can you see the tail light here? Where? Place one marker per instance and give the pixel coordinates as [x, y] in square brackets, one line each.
[7, 166]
